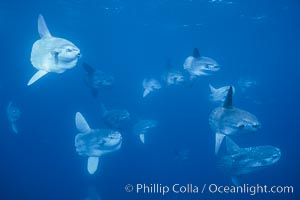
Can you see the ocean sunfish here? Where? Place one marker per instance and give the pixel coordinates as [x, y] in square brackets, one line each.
[173, 76]
[93, 143]
[219, 94]
[238, 161]
[51, 54]
[197, 65]
[115, 118]
[142, 127]
[150, 85]
[96, 79]
[13, 115]
[228, 120]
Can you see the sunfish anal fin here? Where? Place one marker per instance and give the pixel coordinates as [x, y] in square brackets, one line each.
[92, 164]
[14, 127]
[81, 124]
[39, 74]
[231, 146]
[219, 139]
[146, 92]
[42, 27]
[142, 137]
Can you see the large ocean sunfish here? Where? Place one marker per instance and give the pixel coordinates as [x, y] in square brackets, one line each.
[93, 143]
[51, 54]
[229, 120]
[239, 161]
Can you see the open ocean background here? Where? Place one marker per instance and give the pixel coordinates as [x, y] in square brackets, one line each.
[251, 40]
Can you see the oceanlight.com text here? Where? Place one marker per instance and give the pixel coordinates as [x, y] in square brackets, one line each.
[164, 189]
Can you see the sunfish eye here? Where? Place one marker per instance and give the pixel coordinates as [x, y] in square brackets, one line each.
[256, 125]
[69, 50]
[111, 137]
[210, 66]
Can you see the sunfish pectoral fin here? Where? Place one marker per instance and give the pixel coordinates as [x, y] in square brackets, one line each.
[81, 124]
[55, 56]
[92, 164]
[219, 139]
[39, 74]
[42, 27]
[142, 137]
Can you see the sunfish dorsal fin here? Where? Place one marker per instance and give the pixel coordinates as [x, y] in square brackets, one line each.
[196, 53]
[39, 74]
[231, 146]
[81, 124]
[92, 164]
[42, 27]
[228, 100]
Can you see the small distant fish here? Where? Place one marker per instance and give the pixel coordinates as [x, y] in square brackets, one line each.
[238, 161]
[198, 65]
[181, 154]
[219, 94]
[13, 115]
[228, 120]
[150, 85]
[142, 127]
[173, 76]
[115, 118]
[96, 79]
[223, 2]
[245, 84]
[93, 143]
[51, 54]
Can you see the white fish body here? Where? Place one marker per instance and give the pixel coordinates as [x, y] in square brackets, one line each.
[51, 54]
[93, 143]
[201, 66]
[150, 85]
[13, 115]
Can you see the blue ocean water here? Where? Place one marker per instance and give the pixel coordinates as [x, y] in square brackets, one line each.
[256, 41]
